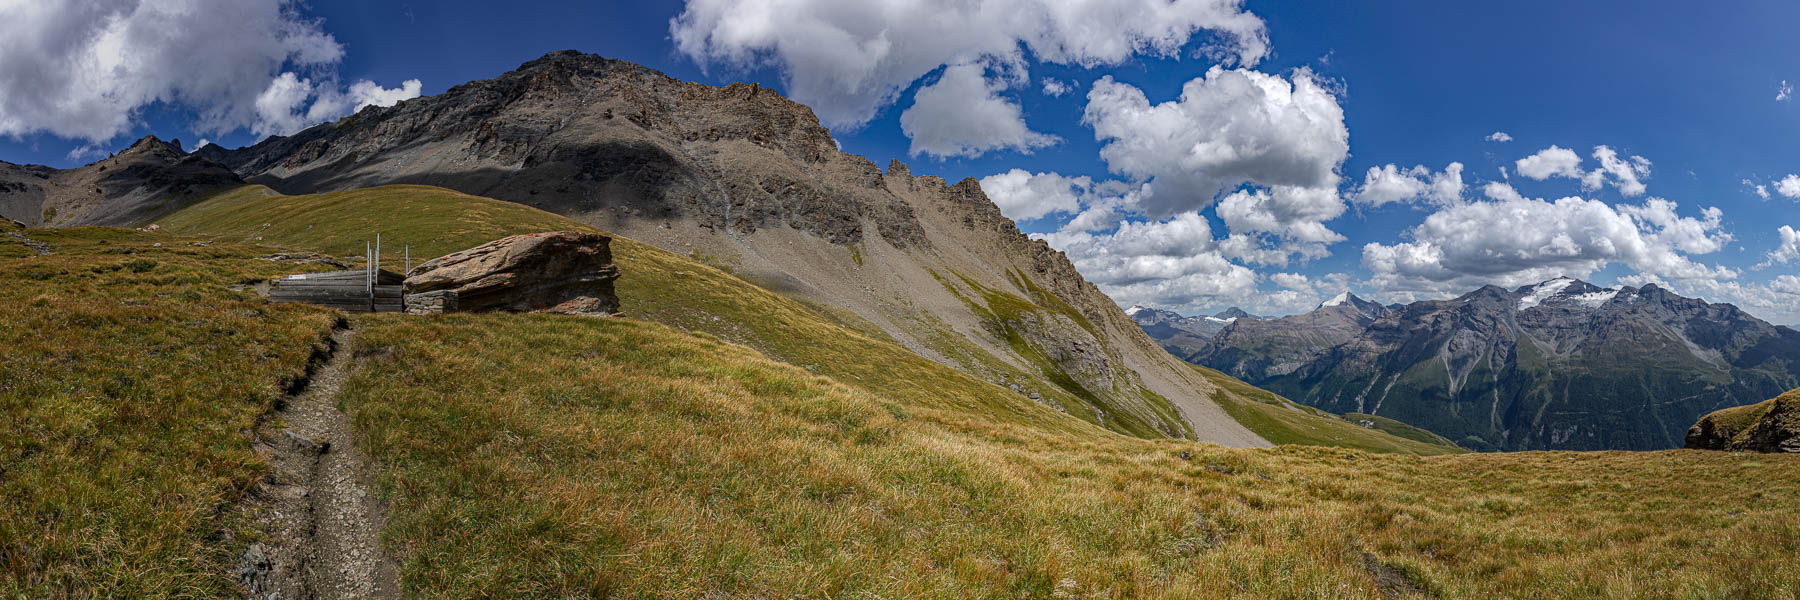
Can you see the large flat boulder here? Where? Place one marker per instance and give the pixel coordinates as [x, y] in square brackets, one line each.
[566, 272]
[1768, 426]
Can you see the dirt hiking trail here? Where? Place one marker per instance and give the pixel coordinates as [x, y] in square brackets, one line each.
[321, 519]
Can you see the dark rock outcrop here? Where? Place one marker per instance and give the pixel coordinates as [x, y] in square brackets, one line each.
[1770, 426]
[565, 272]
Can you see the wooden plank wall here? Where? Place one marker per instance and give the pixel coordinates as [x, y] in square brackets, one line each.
[343, 290]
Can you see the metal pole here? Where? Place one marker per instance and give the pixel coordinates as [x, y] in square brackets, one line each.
[369, 271]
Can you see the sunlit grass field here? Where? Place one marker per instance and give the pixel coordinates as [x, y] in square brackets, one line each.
[544, 456]
[655, 456]
[130, 380]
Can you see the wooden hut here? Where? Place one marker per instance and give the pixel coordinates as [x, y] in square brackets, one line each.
[356, 290]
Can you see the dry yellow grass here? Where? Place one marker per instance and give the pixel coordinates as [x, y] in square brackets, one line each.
[130, 379]
[540, 456]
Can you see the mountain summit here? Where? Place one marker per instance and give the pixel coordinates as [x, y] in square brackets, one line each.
[749, 181]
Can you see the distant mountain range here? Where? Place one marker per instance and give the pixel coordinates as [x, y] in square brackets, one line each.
[1181, 335]
[1563, 364]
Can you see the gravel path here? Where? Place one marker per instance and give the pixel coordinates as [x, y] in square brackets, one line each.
[322, 520]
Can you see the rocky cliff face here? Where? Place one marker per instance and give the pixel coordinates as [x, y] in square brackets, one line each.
[747, 180]
[150, 178]
[1562, 364]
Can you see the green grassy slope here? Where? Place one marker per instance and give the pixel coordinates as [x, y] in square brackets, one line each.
[658, 285]
[668, 288]
[1285, 422]
[131, 378]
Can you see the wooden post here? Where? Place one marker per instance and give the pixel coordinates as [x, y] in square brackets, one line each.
[375, 273]
[408, 250]
[369, 271]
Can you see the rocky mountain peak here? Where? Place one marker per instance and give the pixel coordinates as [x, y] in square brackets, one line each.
[1234, 313]
[151, 144]
[898, 169]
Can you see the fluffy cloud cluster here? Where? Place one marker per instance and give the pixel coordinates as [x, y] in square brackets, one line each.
[1389, 184]
[1499, 137]
[284, 108]
[1265, 150]
[1519, 240]
[1788, 250]
[963, 114]
[1788, 187]
[83, 69]
[848, 60]
[1024, 196]
[1174, 263]
[1228, 128]
[1557, 161]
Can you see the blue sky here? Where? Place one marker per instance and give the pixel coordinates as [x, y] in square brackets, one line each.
[1255, 192]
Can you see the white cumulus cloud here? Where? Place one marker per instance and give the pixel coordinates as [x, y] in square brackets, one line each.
[1056, 88]
[1784, 92]
[1519, 240]
[1174, 262]
[1556, 161]
[962, 114]
[1788, 187]
[1787, 250]
[1499, 137]
[1023, 195]
[848, 60]
[1389, 184]
[85, 69]
[1228, 128]
[1761, 191]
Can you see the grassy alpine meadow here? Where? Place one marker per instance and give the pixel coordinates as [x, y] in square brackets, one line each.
[132, 378]
[725, 441]
[548, 456]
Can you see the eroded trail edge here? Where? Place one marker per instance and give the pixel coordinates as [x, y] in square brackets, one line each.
[321, 520]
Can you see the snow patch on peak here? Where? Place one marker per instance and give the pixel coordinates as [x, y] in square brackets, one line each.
[1336, 300]
[1544, 291]
[1135, 309]
[1595, 299]
[1219, 320]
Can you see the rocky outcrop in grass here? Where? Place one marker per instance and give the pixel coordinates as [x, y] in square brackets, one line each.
[1769, 426]
[568, 272]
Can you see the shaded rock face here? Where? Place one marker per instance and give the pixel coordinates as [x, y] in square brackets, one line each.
[139, 183]
[559, 272]
[1771, 426]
